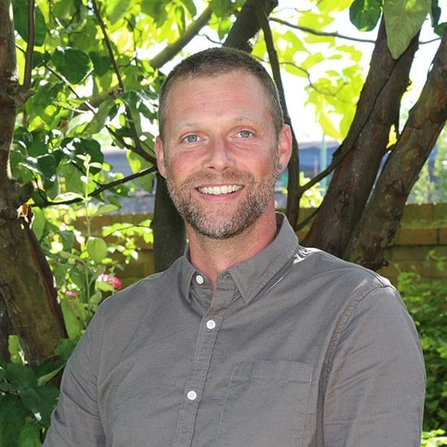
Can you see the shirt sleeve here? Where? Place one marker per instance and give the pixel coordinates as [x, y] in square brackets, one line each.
[76, 420]
[375, 381]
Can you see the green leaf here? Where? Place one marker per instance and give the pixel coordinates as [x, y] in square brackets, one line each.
[20, 8]
[47, 166]
[403, 20]
[20, 375]
[12, 418]
[29, 436]
[364, 14]
[73, 64]
[137, 164]
[15, 350]
[96, 249]
[116, 9]
[190, 6]
[105, 209]
[40, 401]
[74, 315]
[101, 117]
[39, 223]
[68, 196]
[156, 9]
[222, 7]
[328, 6]
[101, 63]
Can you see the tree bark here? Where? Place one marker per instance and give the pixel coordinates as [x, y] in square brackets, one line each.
[168, 227]
[360, 155]
[27, 295]
[384, 211]
[247, 24]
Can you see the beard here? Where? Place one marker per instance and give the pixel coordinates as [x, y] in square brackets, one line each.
[223, 221]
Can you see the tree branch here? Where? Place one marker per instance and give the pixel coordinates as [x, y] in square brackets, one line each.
[320, 33]
[247, 24]
[293, 186]
[30, 43]
[171, 50]
[129, 118]
[425, 122]
[102, 188]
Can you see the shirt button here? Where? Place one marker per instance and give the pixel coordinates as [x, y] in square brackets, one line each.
[199, 279]
[210, 324]
[192, 395]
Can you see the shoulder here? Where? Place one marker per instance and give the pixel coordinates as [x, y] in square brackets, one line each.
[326, 268]
[138, 298]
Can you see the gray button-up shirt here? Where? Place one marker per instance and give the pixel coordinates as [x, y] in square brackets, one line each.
[295, 348]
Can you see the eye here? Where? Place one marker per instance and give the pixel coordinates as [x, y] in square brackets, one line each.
[191, 139]
[245, 134]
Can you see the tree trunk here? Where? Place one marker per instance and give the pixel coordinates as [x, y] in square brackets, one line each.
[168, 227]
[384, 211]
[28, 299]
[247, 24]
[360, 155]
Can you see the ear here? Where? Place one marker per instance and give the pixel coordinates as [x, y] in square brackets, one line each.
[284, 146]
[160, 154]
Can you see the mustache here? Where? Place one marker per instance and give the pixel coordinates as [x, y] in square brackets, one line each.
[207, 178]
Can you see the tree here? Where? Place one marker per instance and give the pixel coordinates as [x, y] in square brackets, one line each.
[90, 72]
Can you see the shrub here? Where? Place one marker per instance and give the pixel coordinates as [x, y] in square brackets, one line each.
[427, 304]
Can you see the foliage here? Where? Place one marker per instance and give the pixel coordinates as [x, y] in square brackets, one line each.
[27, 397]
[432, 182]
[434, 438]
[427, 303]
[82, 260]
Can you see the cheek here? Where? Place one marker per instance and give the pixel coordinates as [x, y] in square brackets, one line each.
[180, 166]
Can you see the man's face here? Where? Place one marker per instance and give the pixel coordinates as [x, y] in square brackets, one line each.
[220, 153]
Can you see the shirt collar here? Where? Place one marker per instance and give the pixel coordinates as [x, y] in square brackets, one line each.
[254, 274]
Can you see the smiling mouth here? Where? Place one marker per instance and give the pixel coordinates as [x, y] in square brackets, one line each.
[219, 190]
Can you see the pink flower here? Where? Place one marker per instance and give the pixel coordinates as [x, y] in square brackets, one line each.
[71, 293]
[112, 280]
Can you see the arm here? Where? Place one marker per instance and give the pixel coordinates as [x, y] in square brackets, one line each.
[76, 420]
[375, 383]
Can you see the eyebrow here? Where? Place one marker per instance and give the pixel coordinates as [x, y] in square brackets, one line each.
[238, 119]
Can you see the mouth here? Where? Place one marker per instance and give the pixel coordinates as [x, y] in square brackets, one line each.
[219, 190]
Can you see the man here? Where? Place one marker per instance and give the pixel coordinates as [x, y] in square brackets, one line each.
[249, 340]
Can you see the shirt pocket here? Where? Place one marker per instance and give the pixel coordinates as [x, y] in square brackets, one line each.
[266, 405]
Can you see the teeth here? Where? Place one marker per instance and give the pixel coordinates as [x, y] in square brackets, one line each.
[219, 190]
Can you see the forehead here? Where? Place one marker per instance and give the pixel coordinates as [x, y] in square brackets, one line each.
[224, 79]
[222, 92]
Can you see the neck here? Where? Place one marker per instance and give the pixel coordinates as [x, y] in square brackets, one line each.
[213, 256]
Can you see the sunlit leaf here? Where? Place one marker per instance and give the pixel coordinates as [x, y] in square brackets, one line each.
[97, 249]
[101, 117]
[190, 6]
[156, 9]
[328, 6]
[403, 20]
[137, 164]
[115, 9]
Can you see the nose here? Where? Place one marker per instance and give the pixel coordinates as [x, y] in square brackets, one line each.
[219, 155]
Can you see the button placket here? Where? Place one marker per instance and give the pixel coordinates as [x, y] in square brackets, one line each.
[207, 336]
